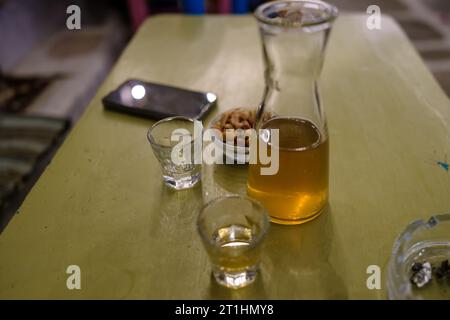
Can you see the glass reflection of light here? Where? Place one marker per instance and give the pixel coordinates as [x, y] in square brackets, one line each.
[138, 92]
[312, 6]
[211, 97]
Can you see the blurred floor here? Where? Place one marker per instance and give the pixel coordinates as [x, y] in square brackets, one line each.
[37, 45]
[45, 47]
[83, 59]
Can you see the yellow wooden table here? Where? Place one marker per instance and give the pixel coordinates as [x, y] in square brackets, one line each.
[101, 203]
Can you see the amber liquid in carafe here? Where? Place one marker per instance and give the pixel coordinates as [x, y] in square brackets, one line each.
[299, 191]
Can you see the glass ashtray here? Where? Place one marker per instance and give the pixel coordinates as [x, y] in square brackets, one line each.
[419, 265]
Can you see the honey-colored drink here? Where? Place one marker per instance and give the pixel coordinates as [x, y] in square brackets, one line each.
[235, 254]
[299, 191]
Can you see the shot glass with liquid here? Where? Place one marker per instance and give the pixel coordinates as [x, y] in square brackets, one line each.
[232, 229]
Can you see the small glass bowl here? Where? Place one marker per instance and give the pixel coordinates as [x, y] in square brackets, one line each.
[420, 242]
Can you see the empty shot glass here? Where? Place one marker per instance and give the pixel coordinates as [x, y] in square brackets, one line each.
[176, 156]
[232, 229]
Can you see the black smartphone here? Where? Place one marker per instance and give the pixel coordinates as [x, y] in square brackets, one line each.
[158, 101]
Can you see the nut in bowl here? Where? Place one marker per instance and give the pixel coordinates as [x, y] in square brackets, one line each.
[232, 134]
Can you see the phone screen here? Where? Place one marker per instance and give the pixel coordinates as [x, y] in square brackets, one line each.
[159, 101]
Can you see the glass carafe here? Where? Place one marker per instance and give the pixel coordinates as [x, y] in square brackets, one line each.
[294, 36]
